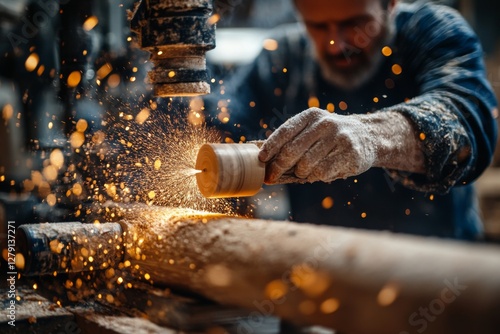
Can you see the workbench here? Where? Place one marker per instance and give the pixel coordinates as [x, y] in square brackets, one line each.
[48, 309]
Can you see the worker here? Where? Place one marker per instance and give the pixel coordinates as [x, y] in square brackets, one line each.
[377, 114]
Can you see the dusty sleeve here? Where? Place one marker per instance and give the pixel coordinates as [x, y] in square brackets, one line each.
[453, 115]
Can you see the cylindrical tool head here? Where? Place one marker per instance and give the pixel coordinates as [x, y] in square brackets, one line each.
[229, 170]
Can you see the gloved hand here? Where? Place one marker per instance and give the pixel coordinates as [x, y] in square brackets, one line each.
[316, 145]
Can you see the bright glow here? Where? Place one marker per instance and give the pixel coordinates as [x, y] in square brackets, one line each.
[74, 78]
[90, 23]
[32, 62]
[386, 51]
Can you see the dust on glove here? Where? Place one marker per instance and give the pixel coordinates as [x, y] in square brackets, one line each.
[317, 145]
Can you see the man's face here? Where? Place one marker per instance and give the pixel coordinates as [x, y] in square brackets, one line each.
[348, 36]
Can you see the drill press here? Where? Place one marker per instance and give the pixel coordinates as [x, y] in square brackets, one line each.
[177, 33]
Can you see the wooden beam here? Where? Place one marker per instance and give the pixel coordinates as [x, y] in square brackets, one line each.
[351, 280]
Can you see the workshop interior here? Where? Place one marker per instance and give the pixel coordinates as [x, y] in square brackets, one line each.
[123, 207]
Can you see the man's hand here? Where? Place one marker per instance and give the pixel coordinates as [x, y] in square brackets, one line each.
[316, 145]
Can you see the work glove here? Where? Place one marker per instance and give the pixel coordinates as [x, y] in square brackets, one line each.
[317, 145]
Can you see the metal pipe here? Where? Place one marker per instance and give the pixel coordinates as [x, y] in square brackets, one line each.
[68, 247]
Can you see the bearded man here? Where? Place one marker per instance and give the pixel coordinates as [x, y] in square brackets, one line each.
[377, 115]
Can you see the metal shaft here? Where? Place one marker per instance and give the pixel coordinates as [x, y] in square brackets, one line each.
[68, 247]
[177, 33]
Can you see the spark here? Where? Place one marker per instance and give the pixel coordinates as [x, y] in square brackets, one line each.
[90, 23]
[396, 69]
[213, 19]
[313, 102]
[330, 305]
[327, 202]
[32, 62]
[388, 294]
[156, 158]
[270, 44]
[386, 51]
[104, 71]
[342, 105]
[74, 79]
[276, 289]
[114, 80]
[7, 112]
[330, 107]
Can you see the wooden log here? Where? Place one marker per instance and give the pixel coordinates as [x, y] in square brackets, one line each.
[351, 280]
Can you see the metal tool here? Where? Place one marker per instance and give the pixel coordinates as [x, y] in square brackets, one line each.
[177, 33]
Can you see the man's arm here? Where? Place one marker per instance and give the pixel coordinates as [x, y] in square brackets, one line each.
[444, 136]
[454, 114]
[316, 145]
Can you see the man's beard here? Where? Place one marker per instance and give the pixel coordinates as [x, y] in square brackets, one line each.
[364, 66]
